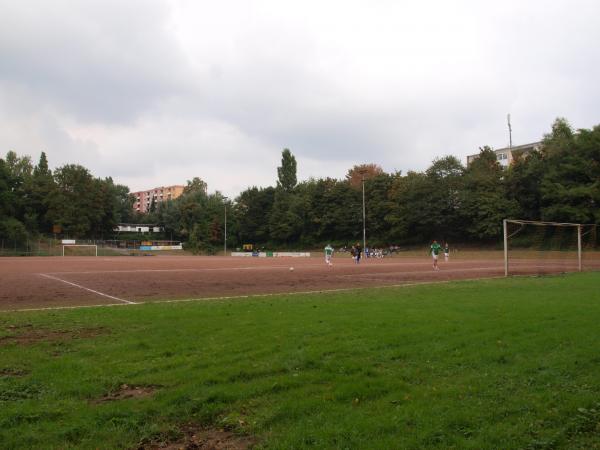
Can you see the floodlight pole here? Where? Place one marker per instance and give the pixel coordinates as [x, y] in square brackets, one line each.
[504, 226]
[362, 172]
[225, 237]
[509, 133]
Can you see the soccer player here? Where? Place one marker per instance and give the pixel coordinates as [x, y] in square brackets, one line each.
[358, 253]
[328, 254]
[446, 252]
[435, 250]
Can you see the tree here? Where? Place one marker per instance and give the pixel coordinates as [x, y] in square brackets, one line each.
[152, 208]
[19, 171]
[74, 203]
[195, 185]
[484, 200]
[285, 220]
[286, 173]
[446, 178]
[19, 166]
[252, 212]
[10, 227]
[7, 192]
[368, 171]
[570, 188]
[378, 206]
[410, 219]
[38, 189]
[523, 180]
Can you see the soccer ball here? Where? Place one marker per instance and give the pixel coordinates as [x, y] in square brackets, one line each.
[291, 269]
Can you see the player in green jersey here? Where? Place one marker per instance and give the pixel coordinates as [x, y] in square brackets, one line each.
[435, 251]
[446, 252]
[328, 254]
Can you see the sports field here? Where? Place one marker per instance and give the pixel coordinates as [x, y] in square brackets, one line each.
[50, 282]
[489, 364]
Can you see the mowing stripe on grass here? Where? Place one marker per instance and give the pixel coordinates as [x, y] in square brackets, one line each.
[87, 289]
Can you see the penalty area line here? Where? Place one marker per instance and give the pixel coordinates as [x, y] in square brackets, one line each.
[87, 289]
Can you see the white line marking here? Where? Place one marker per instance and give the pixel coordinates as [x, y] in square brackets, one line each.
[321, 291]
[172, 270]
[87, 289]
[282, 267]
[241, 297]
[53, 308]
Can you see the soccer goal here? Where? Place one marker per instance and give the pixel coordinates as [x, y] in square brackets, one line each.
[533, 247]
[80, 250]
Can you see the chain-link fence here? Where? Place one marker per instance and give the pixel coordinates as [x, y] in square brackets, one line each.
[45, 246]
[50, 246]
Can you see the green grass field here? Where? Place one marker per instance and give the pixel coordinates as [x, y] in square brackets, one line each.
[495, 364]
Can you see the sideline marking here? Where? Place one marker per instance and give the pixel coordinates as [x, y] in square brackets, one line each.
[258, 295]
[88, 289]
[242, 297]
[281, 267]
[209, 269]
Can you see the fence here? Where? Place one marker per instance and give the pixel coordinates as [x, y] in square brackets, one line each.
[46, 246]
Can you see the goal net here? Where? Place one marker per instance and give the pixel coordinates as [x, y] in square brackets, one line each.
[532, 247]
[79, 250]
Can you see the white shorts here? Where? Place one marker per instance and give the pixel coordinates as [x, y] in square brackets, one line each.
[434, 256]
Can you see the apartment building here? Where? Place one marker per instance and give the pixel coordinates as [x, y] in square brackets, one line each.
[505, 156]
[143, 199]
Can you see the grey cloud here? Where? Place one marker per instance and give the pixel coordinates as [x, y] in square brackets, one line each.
[177, 89]
[104, 61]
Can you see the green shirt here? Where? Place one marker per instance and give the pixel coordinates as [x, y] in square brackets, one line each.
[446, 249]
[435, 248]
[329, 250]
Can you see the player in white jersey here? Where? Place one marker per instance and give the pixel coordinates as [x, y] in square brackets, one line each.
[328, 254]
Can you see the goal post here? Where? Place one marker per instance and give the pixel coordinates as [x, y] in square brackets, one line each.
[80, 250]
[547, 247]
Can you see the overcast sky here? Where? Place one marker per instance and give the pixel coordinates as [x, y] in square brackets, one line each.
[156, 92]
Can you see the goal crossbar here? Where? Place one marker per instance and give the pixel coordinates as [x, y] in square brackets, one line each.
[95, 247]
[540, 223]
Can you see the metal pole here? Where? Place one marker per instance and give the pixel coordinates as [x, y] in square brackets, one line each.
[225, 238]
[364, 215]
[509, 133]
[504, 226]
[579, 246]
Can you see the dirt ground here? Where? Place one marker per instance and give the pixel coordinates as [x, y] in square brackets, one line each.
[194, 437]
[49, 282]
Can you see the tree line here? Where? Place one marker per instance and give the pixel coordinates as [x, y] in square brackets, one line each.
[70, 201]
[559, 182]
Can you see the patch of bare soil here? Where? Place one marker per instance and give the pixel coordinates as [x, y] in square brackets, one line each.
[28, 335]
[126, 391]
[197, 438]
[11, 372]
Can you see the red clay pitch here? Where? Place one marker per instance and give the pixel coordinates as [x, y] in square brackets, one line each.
[48, 282]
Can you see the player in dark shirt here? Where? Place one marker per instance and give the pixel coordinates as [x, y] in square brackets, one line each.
[358, 253]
